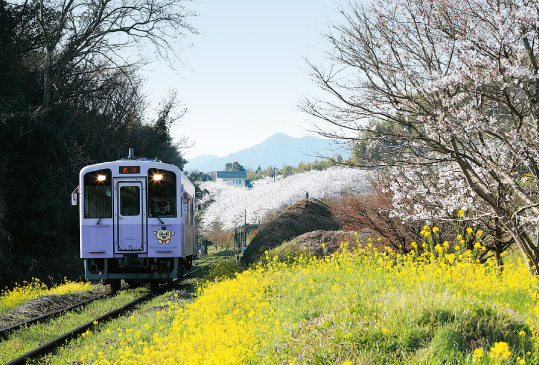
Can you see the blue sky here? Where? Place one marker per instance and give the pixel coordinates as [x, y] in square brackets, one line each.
[243, 77]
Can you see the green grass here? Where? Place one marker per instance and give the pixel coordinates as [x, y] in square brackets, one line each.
[106, 340]
[383, 324]
[221, 253]
[362, 309]
[33, 336]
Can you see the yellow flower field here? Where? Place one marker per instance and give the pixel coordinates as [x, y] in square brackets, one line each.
[364, 307]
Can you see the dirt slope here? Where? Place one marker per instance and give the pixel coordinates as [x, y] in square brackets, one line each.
[331, 241]
[301, 217]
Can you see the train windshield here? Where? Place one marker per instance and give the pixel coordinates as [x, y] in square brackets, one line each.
[161, 193]
[98, 194]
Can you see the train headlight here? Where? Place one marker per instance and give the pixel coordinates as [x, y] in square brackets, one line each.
[101, 177]
[158, 177]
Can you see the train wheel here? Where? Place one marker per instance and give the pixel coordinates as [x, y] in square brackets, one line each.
[181, 269]
[189, 262]
[133, 283]
[154, 285]
[115, 285]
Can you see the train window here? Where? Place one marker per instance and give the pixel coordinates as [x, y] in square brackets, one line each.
[187, 211]
[189, 217]
[129, 200]
[161, 193]
[190, 210]
[98, 194]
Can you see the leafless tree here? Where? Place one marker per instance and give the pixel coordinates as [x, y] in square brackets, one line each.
[87, 39]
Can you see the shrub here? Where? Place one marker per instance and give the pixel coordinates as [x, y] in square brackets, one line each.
[222, 270]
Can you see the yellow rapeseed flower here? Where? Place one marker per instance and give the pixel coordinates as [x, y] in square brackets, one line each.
[500, 351]
[251, 312]
[478, 353]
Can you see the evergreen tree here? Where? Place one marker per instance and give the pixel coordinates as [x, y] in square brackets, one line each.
[234, 166]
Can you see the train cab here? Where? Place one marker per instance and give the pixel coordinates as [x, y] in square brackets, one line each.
[136, 221]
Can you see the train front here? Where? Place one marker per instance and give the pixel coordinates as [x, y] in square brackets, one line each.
[132, 221]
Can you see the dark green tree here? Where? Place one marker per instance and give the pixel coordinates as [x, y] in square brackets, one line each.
[42, 149]
[234, 166]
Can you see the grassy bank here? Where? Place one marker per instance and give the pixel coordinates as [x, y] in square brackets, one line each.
[366, 306]
[27, 291]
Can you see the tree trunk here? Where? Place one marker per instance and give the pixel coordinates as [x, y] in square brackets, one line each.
[47, 79]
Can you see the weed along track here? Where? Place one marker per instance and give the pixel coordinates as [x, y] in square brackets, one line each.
[35, 338]
[59, 323]
[4, 332]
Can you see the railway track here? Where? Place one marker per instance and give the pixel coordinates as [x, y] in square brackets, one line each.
[51, 345]
[4, 332]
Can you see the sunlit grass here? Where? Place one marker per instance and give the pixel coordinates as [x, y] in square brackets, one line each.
[368, 306]
[30, 337]
[106, 341]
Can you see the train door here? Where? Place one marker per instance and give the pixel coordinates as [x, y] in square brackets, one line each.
[189, 224]
[130, 216]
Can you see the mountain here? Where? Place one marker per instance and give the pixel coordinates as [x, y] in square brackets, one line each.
[201, 160]
[277, 150]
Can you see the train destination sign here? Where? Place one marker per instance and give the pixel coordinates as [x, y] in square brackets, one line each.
[129, 169]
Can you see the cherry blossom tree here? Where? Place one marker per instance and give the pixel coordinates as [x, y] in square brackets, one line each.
[229, 204]
[457, 82]
[374, 212]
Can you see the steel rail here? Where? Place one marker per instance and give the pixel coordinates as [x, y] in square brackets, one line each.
[6, 330]
[43, 349]
[49, 346]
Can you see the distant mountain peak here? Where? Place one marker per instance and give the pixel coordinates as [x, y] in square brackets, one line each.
[276, 150]
[279, 135]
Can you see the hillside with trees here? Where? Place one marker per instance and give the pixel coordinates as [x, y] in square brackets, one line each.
[276, 150]
[226, 206]
[285, 170]
[68, 98]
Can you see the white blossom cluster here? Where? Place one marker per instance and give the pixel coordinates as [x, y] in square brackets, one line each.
[457, 81]
[426, 195]
[231, 203]
[480, 105]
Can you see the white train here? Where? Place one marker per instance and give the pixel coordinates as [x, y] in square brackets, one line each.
[137, 221]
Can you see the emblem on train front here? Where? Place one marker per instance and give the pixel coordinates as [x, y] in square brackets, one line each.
[163, 235]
